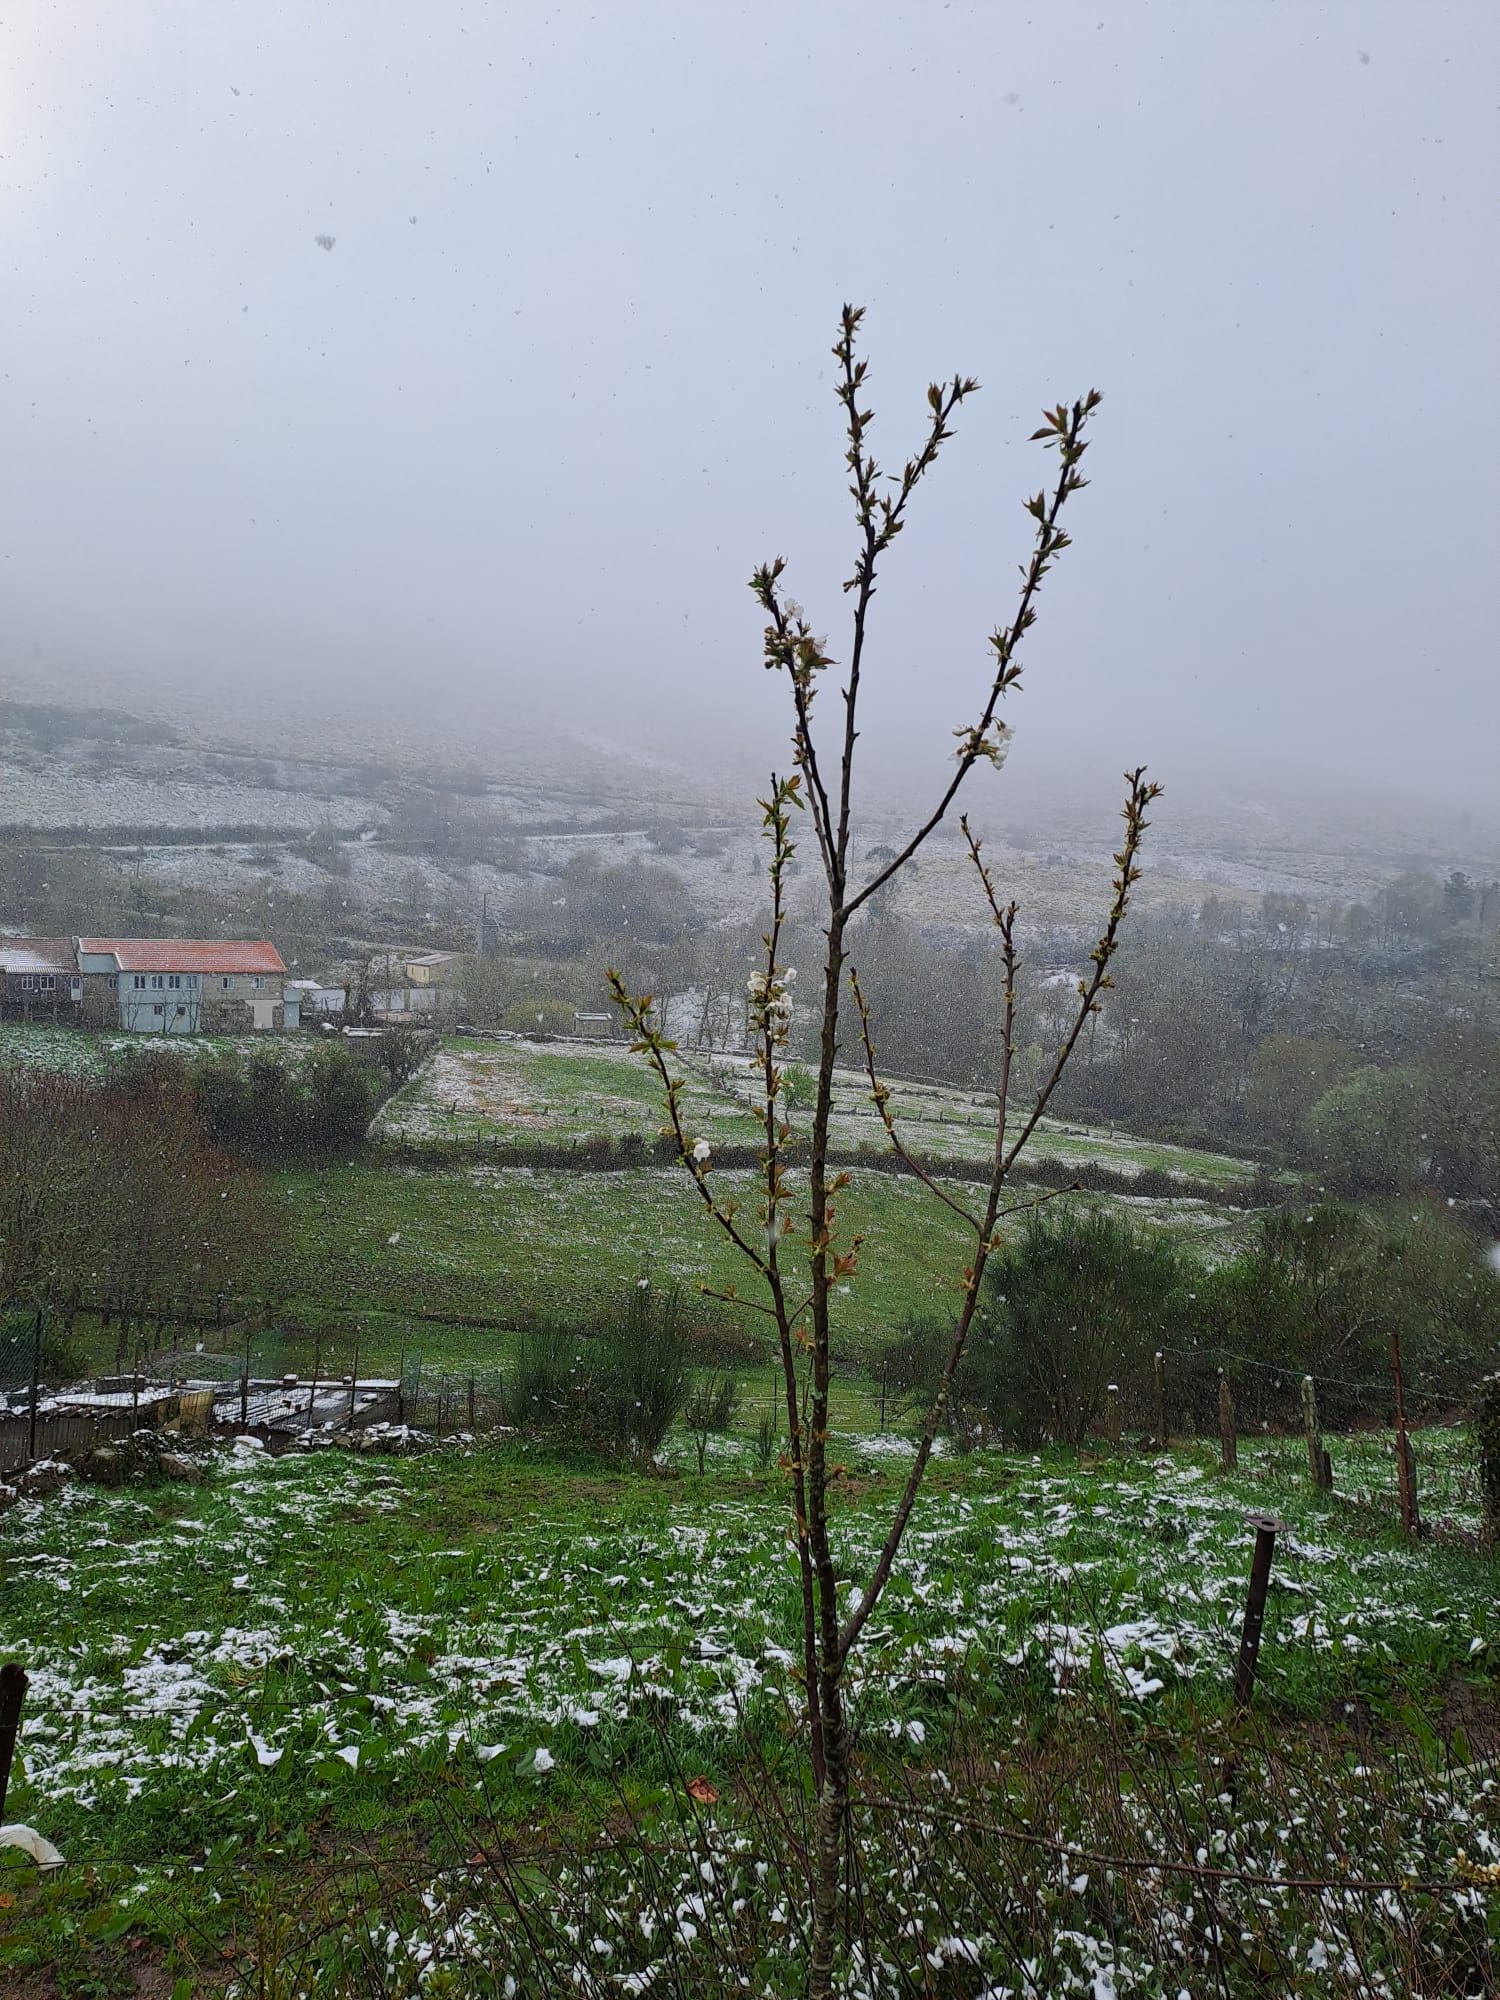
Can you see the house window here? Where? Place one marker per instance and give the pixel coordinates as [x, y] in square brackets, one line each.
[156, 982]
[174, 980]
[140, 982]
[158, 1008]
[181, 1007]
[224, 982]
[28, 982]
[256, 983]
[114, 982]
[75, 987]
[191, 982]
[49, 983]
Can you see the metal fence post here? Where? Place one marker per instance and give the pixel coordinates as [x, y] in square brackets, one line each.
[312, 1396]
[1487, 1442]
[12, 1694]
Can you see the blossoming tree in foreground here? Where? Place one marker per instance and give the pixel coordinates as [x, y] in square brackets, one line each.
[791, 1237]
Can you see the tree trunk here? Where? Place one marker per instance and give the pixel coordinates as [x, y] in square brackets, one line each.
[828, 1849]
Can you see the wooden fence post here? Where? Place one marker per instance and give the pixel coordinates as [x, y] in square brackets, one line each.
[1487, 1437]
[36, 1382]
[1406, 1458]
[1112, 1413]
[1229, 1450]
[1159, 1373]
[1266, 1527]
[1319, 1465]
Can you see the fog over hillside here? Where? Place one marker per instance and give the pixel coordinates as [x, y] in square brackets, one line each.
[445, 381]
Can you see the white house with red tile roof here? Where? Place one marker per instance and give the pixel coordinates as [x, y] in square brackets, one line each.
[184, 986]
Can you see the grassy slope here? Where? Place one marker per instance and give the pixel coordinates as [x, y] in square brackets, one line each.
[513, 1244]
[427, 1612]
[526, 1090]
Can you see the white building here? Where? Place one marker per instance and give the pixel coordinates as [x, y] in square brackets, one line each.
[184, 986]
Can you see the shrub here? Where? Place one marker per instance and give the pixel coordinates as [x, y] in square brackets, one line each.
[1322, 1290]
[616, 1390]
[269, 1110]
[1073, 1304]
[913, 1361]
[401, 1053]
[710, 1408]
[767, 1439]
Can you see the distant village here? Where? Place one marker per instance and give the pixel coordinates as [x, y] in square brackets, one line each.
[224, 986]
[190, 986]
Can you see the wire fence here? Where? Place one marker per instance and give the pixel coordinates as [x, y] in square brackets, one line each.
[324, 1372]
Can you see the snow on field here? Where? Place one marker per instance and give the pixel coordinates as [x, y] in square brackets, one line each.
[74, 1052]
[568, 1089]
[565, 1089]
[63, 793]
[331, 1640]
[265, 1621]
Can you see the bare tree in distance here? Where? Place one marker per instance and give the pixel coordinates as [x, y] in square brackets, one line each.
[801, 1254]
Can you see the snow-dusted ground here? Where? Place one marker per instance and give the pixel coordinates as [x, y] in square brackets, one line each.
[61, 793]
[280, 1643]
[507, 1645]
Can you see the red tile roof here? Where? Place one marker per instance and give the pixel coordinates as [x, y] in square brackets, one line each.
[37, 955]
[187, 954]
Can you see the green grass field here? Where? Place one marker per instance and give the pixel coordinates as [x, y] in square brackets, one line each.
[388, 1244]
[444, 1725]
[521, 1090]
[323, 1655]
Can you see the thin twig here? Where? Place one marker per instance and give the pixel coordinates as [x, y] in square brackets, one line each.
[882, 1099]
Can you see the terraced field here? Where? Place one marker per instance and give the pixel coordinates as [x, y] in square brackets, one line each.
[520, 1090]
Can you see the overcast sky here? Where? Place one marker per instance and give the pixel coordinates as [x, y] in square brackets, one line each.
[563, 376]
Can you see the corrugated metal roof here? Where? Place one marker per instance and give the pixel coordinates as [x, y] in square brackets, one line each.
[37, 955]
[187, 954]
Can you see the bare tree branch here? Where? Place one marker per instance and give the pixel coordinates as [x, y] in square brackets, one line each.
[1065, 430]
